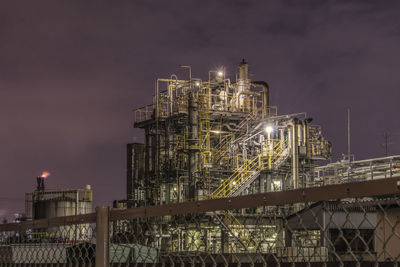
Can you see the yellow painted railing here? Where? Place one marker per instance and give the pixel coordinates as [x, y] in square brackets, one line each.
[272, 151]
[237, 178]
[189, 142]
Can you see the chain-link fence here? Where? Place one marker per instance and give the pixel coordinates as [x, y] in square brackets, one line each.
[353, 224]
[63, 240]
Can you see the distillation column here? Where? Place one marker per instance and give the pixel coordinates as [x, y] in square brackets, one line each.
[243, 84]
[193, 146]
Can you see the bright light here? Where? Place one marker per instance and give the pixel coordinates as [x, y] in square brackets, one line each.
[269, 129]
[220, 73]
[234, 182]
[197, 83]
[45, 174]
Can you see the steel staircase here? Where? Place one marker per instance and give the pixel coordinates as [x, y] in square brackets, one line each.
[276, 154]
[273, 155]
[238, 178]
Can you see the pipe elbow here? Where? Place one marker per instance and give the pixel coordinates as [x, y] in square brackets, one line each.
[261, 84]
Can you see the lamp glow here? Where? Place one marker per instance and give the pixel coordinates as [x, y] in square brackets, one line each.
[269, 129]
[220, 73]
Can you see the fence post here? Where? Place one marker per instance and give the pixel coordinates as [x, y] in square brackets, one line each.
[102, 236]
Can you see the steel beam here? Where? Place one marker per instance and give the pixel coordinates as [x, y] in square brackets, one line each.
[370, 188]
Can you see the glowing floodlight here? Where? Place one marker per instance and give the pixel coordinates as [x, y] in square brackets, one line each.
[220, 73]
[269, 129]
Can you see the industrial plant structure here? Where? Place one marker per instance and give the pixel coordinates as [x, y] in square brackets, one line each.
[220, 138]
[45, 203]
[217, 138]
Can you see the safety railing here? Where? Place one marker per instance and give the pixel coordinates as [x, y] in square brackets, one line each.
[168, 106]
[274, 152]
[143, 114]
[320, 149]
[345, 171]
[191, 142]
[229, 186]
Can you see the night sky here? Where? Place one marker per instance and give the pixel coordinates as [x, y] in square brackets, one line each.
[71, 72]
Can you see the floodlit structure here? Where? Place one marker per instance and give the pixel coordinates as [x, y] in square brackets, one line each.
[219, 138]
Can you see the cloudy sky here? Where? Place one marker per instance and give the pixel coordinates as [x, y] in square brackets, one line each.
[71, 72]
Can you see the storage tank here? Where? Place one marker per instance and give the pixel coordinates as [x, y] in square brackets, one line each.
[49, 204]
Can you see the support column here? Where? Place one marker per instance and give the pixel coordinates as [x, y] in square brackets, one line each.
[262, 181]
[102, 236]
[268, 178]
[224, 241]
[280, 230]
[288, 238]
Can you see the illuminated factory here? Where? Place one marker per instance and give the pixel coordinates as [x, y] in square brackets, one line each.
[219, 138]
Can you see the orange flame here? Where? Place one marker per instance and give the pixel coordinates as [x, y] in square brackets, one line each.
[45, 174]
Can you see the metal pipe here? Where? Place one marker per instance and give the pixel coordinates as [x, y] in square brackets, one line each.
[156, 164]
[348, 134]
[295, 155]
[190, 74]
[265, 87]
[76, 213]
[209, 89]
[170, 92]
[227, 125]
[307, 136]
